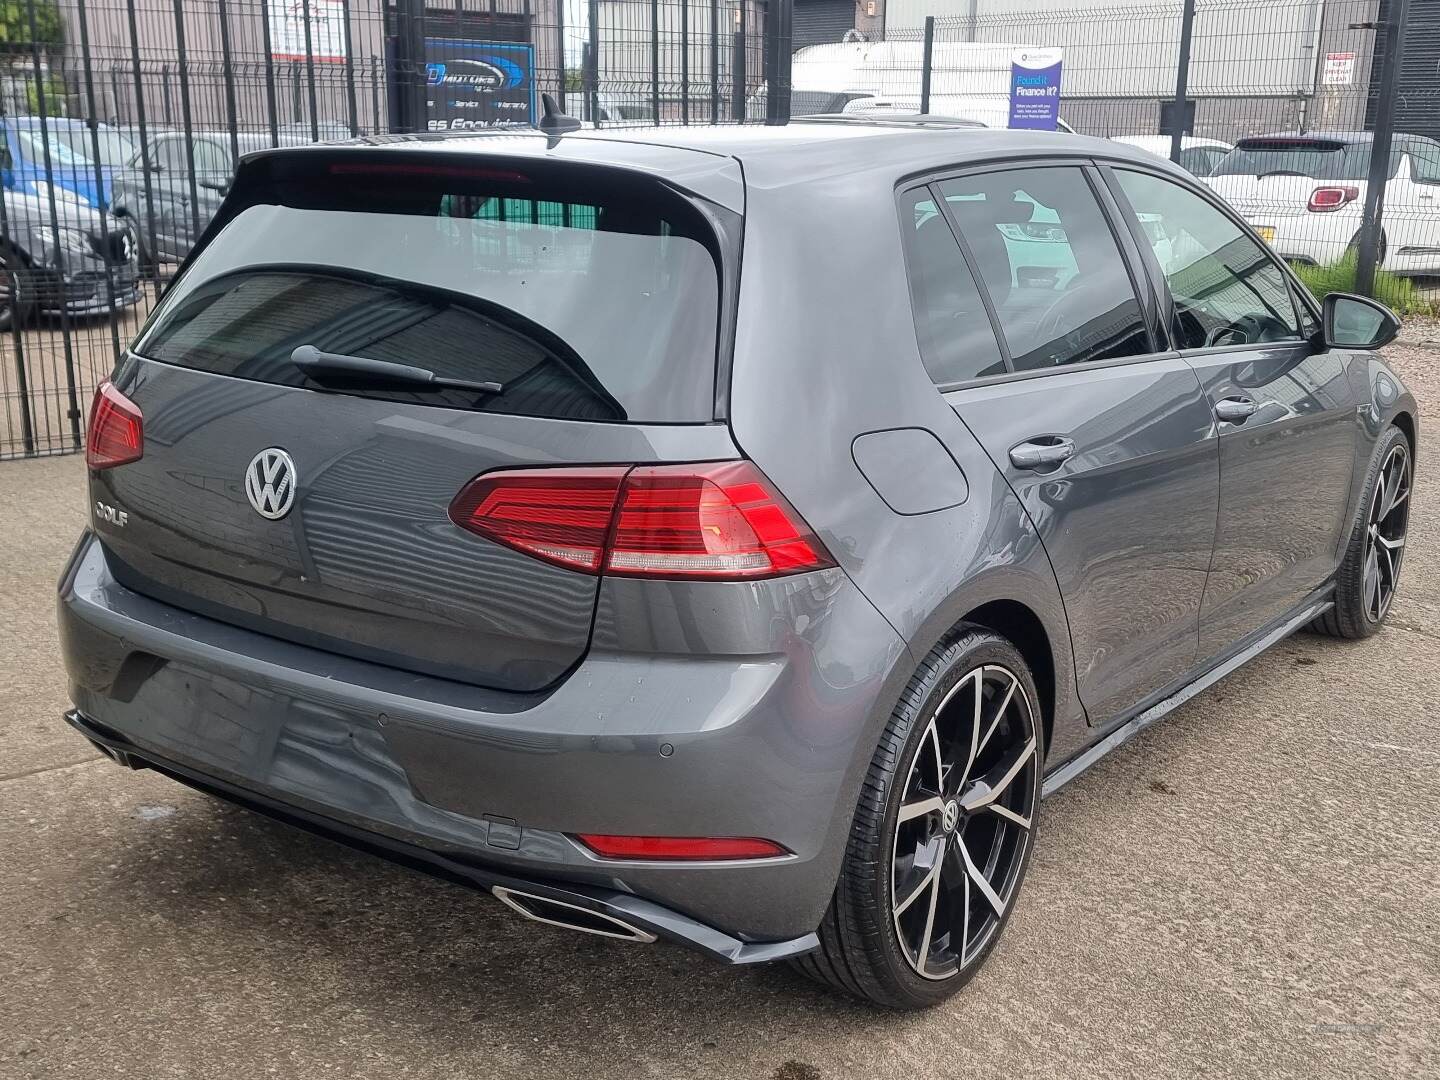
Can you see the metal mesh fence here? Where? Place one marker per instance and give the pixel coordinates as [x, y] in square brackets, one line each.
[122, 119]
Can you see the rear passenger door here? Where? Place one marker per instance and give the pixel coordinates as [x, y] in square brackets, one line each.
[1104, 437]
[1284, 407]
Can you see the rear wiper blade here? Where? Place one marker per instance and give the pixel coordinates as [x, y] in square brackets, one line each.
[321, 366]
[1280, 172]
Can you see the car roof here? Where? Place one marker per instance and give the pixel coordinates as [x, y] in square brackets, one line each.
[1162, 142]
[800, 152]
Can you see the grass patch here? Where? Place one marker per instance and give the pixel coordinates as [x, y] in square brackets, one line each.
[1397, 292]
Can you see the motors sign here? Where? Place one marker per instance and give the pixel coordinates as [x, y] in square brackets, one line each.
[1035, 88]
[476, 84]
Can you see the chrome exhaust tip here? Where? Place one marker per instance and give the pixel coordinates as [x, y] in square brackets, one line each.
[543, 909]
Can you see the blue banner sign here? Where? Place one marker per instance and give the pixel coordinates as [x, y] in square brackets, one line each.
[1035, 88]
[478, 84]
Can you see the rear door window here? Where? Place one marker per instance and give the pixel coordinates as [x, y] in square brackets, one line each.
[1052, 267]
[585, 294]
[953, 328]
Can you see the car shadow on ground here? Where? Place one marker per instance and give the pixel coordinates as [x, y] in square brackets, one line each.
[273, 900]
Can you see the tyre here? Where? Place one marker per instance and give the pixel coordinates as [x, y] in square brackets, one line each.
[1370, 572]
[16, 302]
[943, 831]
[144, 259]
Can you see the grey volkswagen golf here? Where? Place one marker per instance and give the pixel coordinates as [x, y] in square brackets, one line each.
[724, 535]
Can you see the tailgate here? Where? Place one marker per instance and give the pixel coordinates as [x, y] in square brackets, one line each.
[313, 504]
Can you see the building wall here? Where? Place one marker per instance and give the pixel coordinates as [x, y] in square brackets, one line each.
[684, 60]
[1256, 65]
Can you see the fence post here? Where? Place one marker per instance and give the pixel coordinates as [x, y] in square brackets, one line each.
[655, 60]
[108, 253]
[714, 61]
[188, 121]
[352, 107]
[737, 74]
[926, 63]
[148, 179]
[271, 116]
[22, 373]
[778, 15]
[310, 72]
[73, 414]
[1372, 228]
[592, 63]
[685, 61]
[227, 68]
[560, 45]
[1182, 81]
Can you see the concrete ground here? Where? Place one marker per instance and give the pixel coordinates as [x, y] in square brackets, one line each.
[1252, 888]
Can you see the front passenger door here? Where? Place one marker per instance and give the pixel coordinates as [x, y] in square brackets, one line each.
[1284, 409]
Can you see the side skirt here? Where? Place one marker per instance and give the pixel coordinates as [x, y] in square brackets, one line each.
[1142, 720]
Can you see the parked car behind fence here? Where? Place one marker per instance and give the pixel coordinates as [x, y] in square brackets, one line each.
[1305, 194]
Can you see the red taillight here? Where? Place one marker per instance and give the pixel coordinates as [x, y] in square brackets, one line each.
[115, 434]
[681, 847]
[720, 521]
[710, 521]
[559, 515]
[1325, 199]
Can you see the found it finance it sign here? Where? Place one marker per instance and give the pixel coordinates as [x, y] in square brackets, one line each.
[1035, 88]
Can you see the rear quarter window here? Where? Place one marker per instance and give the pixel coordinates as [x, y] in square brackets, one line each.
[585, 296]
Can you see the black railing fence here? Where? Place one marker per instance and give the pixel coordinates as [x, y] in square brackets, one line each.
[122, 119]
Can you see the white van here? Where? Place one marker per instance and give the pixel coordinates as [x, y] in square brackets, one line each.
[969, 80]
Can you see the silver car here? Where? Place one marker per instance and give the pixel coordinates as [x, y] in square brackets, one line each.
[720, 535]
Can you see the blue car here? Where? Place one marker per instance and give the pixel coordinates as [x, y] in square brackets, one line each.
[71, 171]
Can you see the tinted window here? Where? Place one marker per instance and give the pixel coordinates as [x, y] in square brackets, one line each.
[1320, 159]
[1425, 162]
[602, 309]
[170, 155]
[211, 158]
[956, 339]
[33, 142]
[115, 149]
[1051, 265]
[1227, 289]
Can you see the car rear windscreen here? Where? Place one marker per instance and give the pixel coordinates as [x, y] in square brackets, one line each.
[586, 294]
[1319, 159]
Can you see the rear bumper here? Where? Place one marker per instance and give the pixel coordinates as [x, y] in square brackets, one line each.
[84, 293]
[771, 744]
[648, 920]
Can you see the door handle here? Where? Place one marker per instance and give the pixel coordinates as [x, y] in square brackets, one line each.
[1042, 452]
[1235, 410]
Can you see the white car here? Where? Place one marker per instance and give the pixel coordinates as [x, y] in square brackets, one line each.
[1197, 155]
[970, 80]
[1305, 195]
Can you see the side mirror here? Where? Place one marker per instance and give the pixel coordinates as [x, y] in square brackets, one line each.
[1357, 322]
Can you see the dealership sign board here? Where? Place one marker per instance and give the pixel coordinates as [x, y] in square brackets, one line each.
[326, 25]
[475, 84]
[1035, 88]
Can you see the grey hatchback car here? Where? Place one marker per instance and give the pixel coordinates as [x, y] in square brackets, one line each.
[722, 535]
